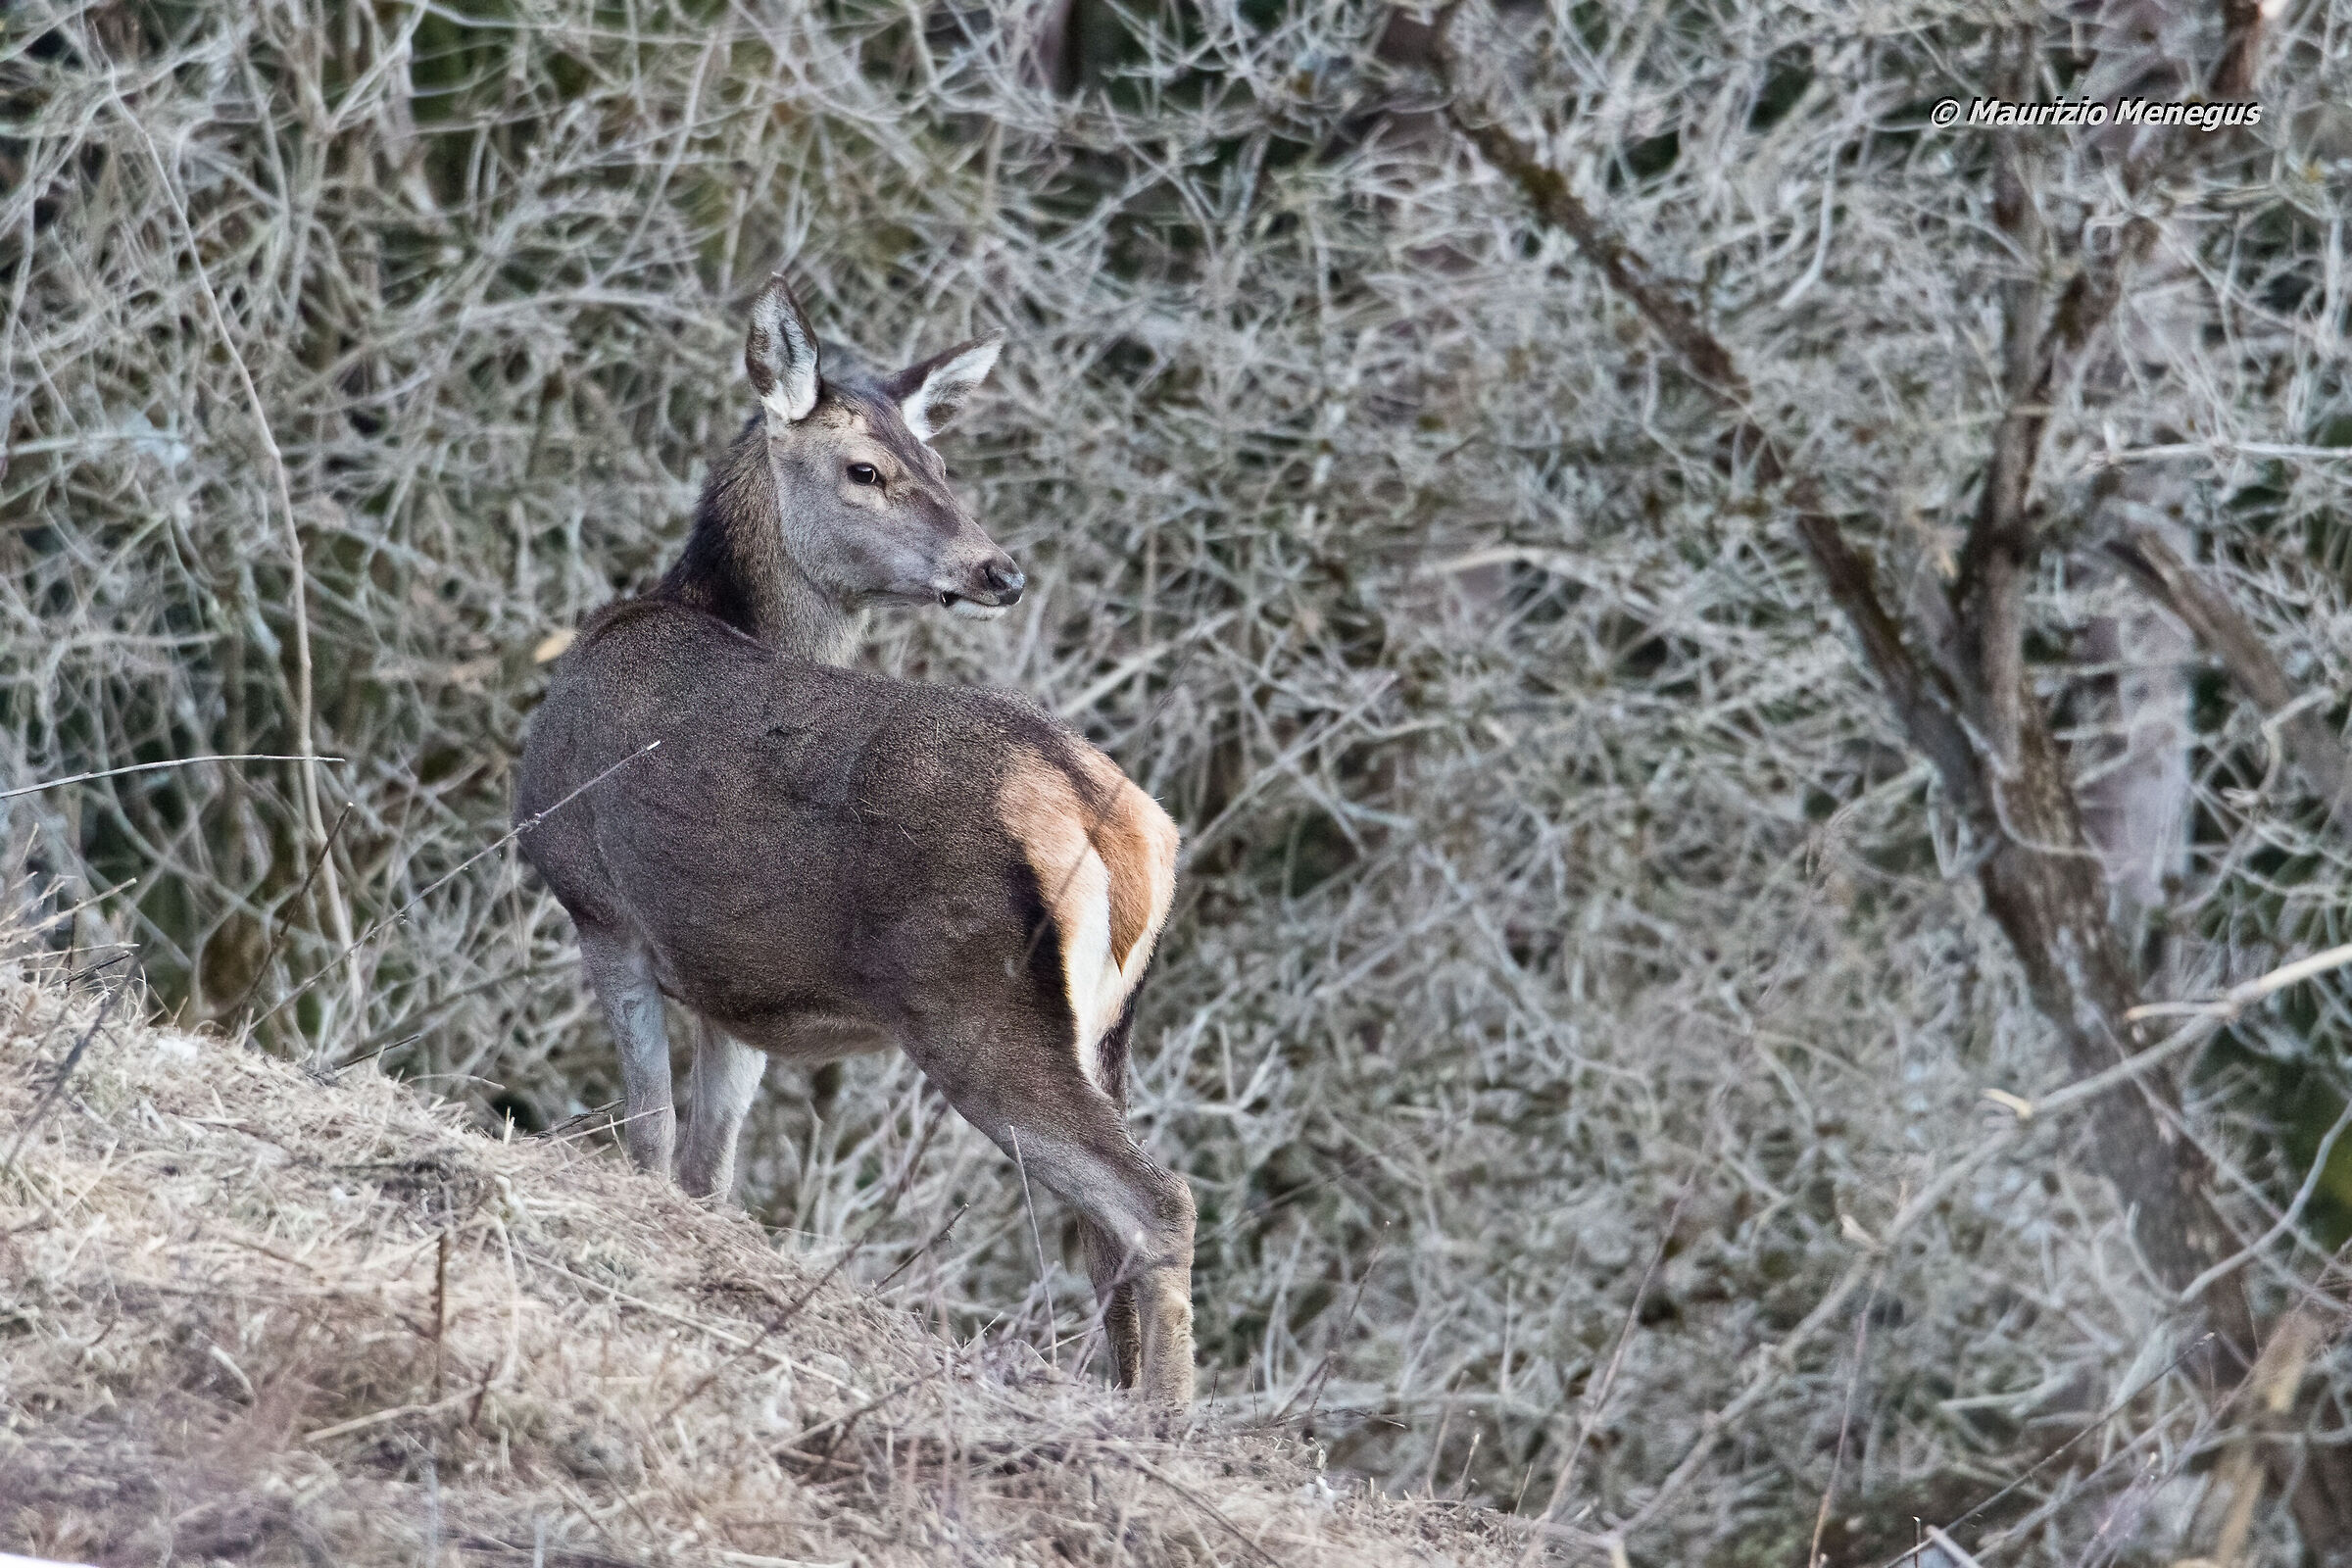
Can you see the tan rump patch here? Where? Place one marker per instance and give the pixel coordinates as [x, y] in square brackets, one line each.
[1137, 843]
[1105, 868]
[1040, 808]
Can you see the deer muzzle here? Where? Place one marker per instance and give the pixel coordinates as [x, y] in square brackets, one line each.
[995, 588]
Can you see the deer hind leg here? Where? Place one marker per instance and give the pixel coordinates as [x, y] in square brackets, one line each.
[720, 1089]
[620, 970]
[1071, 1139]
[1114, 1296]
[1108, 1263]
[1139, 1241]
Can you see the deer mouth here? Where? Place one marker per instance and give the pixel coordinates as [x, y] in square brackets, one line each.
[969, 609]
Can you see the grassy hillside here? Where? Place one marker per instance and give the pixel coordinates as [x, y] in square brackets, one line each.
[254, 1314]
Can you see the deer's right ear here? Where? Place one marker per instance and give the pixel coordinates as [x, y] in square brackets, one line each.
[781, 353]
[933, 392]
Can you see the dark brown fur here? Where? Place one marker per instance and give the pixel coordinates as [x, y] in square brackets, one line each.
[857, 813]
[816, 862]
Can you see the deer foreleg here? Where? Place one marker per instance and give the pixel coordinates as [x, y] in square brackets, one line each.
[622, 972]
[718, 1096]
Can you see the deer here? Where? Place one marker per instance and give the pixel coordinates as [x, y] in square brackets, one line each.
[815, 862]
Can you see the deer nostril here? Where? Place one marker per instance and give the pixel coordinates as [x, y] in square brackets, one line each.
[1007, 582]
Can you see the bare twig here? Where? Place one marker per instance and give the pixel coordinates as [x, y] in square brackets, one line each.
[1845, 1420]
[1599, 1399]
[1044, 1280]
[149, 767]
[2098, 1424]
[261, 971]
[57, 1083]
[2314, 748]
[298, 596]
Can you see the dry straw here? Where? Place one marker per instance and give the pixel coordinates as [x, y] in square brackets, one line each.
[272, 1319]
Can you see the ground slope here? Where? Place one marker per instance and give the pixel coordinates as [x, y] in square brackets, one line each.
[247, 1316]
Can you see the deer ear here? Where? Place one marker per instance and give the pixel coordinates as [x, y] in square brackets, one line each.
[933, 392]
[780, 353]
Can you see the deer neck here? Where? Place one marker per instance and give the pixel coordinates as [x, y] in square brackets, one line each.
[801, 622]
[734, 565]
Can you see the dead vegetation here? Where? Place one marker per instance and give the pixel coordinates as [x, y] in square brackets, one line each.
[255, 1316]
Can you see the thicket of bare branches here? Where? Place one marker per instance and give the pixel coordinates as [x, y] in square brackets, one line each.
[1578, 1019]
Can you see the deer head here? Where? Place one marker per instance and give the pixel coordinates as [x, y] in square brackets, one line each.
[861, 501]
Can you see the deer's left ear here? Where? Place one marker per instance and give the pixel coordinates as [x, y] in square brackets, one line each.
[780, 353]
[933, 392]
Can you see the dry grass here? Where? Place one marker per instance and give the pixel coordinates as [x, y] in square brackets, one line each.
[257, 1316]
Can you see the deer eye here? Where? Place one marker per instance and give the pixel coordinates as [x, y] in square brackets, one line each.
[864, 474]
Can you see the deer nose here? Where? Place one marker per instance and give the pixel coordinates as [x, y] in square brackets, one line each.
[1005, 582]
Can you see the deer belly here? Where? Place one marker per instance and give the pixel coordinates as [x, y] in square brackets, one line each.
[811, 1037]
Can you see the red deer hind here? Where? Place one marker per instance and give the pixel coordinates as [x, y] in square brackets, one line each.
[817, 863]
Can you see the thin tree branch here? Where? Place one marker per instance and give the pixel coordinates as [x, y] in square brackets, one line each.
[149, 767]
[298, 592]
[2310, 744]
[1987, 596]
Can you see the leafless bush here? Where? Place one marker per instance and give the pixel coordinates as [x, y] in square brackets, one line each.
[1575, 972]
